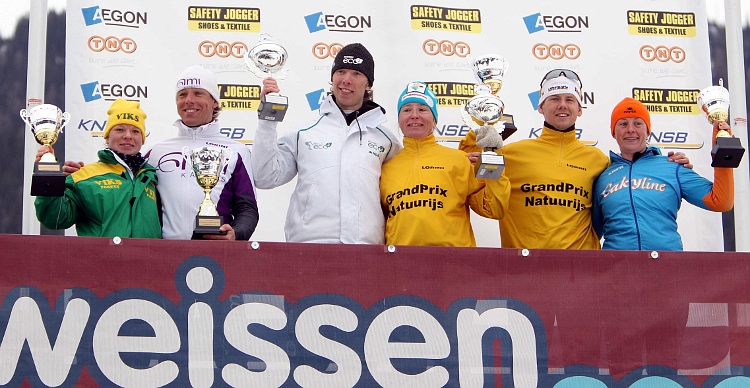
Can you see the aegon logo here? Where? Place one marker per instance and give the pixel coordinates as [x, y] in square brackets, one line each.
[446, 47]
[315, 98]
[321, 50]
[112, 44]
[587, 98]
[662, 53]
[538, 22]
[94, 91]
[556, 51]
[114, 17]
[222, 49]
[337, 23]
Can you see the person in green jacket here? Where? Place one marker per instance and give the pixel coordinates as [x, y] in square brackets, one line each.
[115, 196]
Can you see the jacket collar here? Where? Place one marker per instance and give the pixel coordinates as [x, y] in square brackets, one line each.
[371, 118]
[209, 129]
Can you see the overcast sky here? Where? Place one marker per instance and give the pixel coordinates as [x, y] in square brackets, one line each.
[13, 10]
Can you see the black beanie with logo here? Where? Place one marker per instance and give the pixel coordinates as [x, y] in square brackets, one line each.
[355, 57]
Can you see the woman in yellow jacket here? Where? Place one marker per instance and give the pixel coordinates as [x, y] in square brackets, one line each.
[426, 190]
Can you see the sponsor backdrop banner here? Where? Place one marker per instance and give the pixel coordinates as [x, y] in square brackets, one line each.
[656, 52]
[313, 315]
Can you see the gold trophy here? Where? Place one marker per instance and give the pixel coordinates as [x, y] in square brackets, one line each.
[207, 163]
[46, 122]
[266, 59]
[484, 113]
[714, 102]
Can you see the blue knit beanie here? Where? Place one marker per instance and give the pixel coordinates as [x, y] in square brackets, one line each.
[418, 91]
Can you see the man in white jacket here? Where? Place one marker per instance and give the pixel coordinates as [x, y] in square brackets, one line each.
[336, 159]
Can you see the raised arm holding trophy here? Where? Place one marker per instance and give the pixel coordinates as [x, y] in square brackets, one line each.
[266, 59]
[714, 102]
[484, 114]
[46, 122]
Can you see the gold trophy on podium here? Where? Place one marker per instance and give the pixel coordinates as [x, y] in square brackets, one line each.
[207, 163]
[46, 122]
[714, 102]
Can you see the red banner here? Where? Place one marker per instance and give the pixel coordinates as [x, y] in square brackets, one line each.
[209, 313]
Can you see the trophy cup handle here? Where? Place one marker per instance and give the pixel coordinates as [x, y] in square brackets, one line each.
[65, 120]
[25, 116]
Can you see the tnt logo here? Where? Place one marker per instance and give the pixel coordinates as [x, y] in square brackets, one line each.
[315, 99]
[91, 91]
[315, 22]
[534, 23]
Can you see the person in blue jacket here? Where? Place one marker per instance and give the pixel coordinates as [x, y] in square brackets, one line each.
[637, 197]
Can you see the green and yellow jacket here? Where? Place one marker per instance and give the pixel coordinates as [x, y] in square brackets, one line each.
[104, 199]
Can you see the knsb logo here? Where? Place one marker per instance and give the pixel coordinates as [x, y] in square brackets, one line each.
[93, 91]
[236, 134]
[239, 97]
[534, 133]
[446, 19]
[114, 17]
[112, 44]
[315, 99]
[556, 51]
[337, 23]
[668, 101]
[223, 19]
[451, 133]
[446, 48]
[672, 139]
[555, 23]
[658, 23]
[322, 50]
[662, 53]
[95, 127]
[222, 49]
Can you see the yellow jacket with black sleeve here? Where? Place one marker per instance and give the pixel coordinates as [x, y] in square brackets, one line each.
[426, 191]
[552, 179]
[105, 199]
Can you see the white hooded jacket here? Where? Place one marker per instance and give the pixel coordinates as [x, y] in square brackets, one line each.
[337, 197]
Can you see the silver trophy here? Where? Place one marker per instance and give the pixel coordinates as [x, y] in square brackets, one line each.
[484, 113]
[46, 122]
[207, 164]
[267, 59]
[714, 102]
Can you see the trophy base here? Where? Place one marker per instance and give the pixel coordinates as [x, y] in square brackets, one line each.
[207, 225]
[273, 107]
[490, 165]
[727, 152]
[48, 180]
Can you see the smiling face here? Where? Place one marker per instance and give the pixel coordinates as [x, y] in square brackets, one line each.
[125, 138]
[416, 120]
[195, 106]
[349, 87]
[561, 110]
[631, 134]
